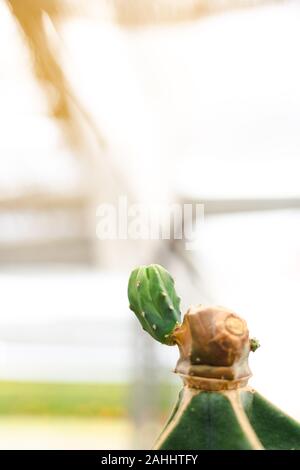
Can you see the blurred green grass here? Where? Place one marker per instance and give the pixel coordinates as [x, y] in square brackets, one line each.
[73, 399]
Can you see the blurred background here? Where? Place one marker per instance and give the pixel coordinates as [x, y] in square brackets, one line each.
[159, 101]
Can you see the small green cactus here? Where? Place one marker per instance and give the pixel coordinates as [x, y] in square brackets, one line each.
[254, 344]
[153, 299]
[216, 409]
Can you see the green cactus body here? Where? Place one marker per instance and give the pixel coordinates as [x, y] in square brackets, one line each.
[153, 299]
[229, 420]
[216, 409]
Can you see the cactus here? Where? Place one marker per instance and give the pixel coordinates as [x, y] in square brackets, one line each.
[216, 408]
[153, 299]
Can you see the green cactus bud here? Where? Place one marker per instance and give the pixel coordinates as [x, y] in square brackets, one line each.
[153, 299]
[254, 344]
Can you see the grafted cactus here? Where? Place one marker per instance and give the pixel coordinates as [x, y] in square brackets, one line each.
[216, 409]
[153, 299]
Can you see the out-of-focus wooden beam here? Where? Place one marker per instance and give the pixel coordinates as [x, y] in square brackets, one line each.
[226, 206]
[43, 202]
[135, 13]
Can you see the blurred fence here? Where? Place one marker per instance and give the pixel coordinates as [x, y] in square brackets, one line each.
[43, 228]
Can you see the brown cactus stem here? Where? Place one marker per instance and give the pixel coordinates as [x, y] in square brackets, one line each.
[213, 385]
[214, 347]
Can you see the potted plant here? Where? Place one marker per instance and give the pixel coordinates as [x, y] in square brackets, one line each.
[216, 408]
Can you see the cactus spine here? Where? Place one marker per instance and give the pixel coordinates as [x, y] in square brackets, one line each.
[153, 299]
[216, 409]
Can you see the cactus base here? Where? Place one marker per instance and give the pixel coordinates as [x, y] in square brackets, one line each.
[239, 419]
